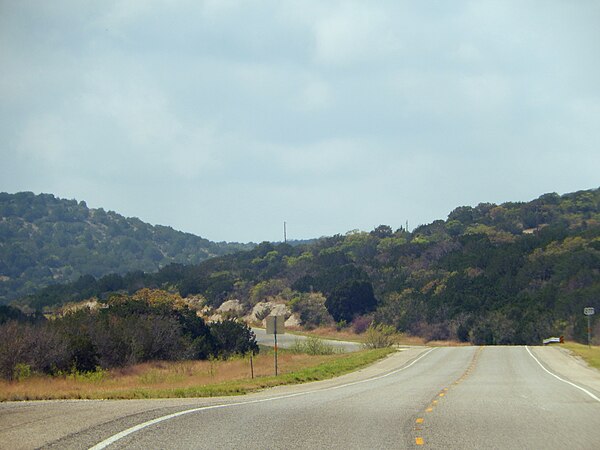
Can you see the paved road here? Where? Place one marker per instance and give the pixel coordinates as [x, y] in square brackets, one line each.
[287, 340]
[464, 397]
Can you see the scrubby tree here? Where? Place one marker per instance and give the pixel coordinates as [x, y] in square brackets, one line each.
[351, 299]
[233, 337]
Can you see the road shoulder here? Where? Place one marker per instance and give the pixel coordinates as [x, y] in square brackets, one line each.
[564, 363]
[41, 423]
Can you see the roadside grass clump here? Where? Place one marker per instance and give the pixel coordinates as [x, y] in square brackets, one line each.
[379, 336]
[92, 376]
[313, 345]
[591, 355]
[166, 379]
[21, 372]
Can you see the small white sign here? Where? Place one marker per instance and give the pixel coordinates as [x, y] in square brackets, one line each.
[275, 323]
[589, 311]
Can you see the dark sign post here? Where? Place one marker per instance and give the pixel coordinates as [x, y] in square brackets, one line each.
[275, 325]
[589, 312]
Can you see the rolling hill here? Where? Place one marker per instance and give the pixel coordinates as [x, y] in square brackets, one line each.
[491, 274]
[45, 240]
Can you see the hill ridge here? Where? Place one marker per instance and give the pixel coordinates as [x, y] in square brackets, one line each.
[45, 239]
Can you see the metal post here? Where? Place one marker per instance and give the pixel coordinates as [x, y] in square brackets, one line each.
[275, 335]
[589, 332]
[251, 366]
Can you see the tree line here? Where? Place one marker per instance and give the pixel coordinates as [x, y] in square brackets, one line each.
[495, 274]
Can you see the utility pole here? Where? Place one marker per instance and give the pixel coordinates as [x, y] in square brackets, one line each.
[284, 232]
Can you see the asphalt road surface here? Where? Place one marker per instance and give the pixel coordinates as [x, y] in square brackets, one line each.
[460, 397]
[286, 340]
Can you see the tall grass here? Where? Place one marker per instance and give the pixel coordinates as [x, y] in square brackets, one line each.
[189, 378]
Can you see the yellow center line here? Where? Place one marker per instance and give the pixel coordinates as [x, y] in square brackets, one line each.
[419, 440]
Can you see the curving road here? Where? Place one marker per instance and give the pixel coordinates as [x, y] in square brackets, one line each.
[287, 340]
[462, 397]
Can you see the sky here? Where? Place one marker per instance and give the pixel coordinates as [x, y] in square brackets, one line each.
[225, 118]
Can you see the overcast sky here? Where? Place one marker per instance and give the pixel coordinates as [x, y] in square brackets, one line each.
[226, 118]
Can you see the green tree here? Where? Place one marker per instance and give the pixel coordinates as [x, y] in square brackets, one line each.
[351, 299]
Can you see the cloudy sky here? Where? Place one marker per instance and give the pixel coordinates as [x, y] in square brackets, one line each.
[225, 118]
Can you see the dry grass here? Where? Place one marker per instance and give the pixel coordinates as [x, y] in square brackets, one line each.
[330, 333]
[590, 354]
[447, 344]
[346, 334]
[186, 378]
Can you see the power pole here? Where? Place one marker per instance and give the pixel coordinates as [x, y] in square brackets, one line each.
[284, 232]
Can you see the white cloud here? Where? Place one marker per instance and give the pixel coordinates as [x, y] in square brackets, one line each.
[45, 138]
[489, 92]
[353, 33]
[316, 95]
[154, 133]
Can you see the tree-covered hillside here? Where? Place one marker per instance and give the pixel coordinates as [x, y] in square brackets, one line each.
[44, 240]
[510, 273]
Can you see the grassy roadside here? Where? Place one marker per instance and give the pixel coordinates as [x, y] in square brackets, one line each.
[591, 355]
[190, 378]
[349, 336]
[331, 334]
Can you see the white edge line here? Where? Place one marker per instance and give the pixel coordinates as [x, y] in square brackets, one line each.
[111, 440]
[562, 379]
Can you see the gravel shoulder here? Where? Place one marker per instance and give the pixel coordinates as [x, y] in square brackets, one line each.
[567, 365]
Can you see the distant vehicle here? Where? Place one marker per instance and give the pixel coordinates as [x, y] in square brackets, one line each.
[554, 340]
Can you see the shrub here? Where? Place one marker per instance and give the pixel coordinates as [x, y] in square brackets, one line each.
[21, 371]
[312, 346]
[340, 325]
[232, 337]
[361, 323]
[379, 336]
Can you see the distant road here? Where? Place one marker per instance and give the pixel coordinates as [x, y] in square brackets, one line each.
[287, 340]
[461, 397]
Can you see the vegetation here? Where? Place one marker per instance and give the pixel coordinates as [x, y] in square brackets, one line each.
[591, 355]
[312, 345]
[379, 336]
[188, 378]
[127, 330]
[45, 240]
[492, 274]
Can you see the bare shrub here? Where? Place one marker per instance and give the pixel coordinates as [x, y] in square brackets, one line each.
[379, 336]
[361, 324]
[312, 346]
[15, 343]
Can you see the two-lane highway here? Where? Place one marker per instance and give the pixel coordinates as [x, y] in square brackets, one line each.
[508, 400]
[461, 397]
